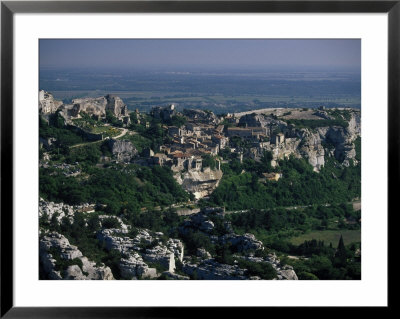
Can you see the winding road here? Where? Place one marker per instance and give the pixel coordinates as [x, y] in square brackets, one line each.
[124, 131]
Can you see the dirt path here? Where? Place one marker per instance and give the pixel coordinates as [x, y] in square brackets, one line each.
[123, 133]
[356, 206]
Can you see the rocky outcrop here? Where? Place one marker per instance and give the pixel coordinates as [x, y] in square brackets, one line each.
[47, 103]
[201, 116]
[204, 266]
[242, 243]
[97, 106]
[324, 114]
[202, 253]
[53, 246]
[161, 255]
[58, 210]
[116, 106]
[200, 183]
[123, 150]
[164, 113]
[284, 272]
[175, 246]
[89, 271]
[262, 120]
[174, 276]
[210, 269]
[133, 267]
[313, 144]
[55, 212]
[200, 221]
[141, 251]
[311, 149]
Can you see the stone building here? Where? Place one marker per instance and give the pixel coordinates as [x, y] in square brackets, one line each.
[279, 138]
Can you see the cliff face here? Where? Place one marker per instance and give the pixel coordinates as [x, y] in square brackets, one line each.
[96, 106]
[47, 103]
[199, 183]
[315, 144]
[261, 120]
[54, 243]
[136, 257]
[116, 106]
[93, 106]
[124, 150]
[201, 116]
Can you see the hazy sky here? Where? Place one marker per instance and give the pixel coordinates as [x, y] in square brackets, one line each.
[175, 53]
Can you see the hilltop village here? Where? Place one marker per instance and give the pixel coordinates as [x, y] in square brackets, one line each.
[177, 161]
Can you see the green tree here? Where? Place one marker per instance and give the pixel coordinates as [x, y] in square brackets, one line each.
[340, 259]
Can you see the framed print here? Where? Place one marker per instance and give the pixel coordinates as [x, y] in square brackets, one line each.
[196, 154]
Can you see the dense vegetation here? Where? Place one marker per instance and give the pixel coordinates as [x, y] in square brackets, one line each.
[240, 187]
[326, 262]
[151, 131]
[319, 260]
[120, 189]
[302, 202]
[56, 128]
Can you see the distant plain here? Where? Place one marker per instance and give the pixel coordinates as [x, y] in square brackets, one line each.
[220, 91]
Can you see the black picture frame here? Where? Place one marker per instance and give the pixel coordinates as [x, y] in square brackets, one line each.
[9, 8]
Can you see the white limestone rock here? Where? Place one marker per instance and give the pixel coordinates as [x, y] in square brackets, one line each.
[212, 270]
[200, 183]
[133, 267]
[144, 247]
[89, 271]
[202, 253]
[176, 246]
[47, 103]
[242, 243]
[95, 106]
[161, 255]
[123, 150]
[174, 276]
[58, 210]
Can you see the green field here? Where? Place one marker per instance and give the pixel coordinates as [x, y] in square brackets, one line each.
[106, 130]
[329, 236]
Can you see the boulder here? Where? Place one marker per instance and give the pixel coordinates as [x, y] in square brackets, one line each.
[134, 267]
[212, 270]
[47, 103]
[200, 183]
[123, 150]
[242, 243]
[89, 271]
[202, 253]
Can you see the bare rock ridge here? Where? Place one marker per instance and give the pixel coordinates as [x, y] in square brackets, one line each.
[123, 150]
[281, 138]
[149, 254]
[305, 142]
[140, 250]
[93, 106]
[200, 183]
[54, 248]
[47, 103]
[206, 267]
[201, 116]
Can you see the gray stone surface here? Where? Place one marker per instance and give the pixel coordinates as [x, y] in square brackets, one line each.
[146, 247]
[89, 271]
[123, 150]
[211, 270]
[200, 183]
